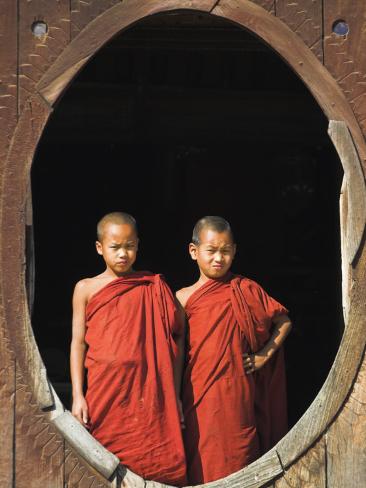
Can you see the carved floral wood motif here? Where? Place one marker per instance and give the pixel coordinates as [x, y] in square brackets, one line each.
[325, 448]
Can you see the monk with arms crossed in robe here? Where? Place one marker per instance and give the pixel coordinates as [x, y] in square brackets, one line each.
[128, 333]
[234, 396]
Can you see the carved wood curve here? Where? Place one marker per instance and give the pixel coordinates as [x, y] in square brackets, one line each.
[30, 126]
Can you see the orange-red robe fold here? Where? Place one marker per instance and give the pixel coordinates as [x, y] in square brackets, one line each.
[131, 324]
[231, 417]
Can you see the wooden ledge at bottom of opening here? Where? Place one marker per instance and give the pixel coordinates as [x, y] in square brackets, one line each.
[107, 464]
[85, 445]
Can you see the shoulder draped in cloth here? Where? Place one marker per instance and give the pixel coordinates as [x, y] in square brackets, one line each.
[131, 325]
[231, 418]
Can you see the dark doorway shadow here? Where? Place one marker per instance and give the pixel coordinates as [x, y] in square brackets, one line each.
[179, 117]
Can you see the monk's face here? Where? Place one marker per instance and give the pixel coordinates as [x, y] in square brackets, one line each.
[214, 254]
[118, 247]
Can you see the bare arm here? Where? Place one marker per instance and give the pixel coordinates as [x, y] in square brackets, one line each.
[77, 353]
[253, 362]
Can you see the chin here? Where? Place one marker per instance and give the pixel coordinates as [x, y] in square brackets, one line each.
[120, 271]
[218, 274]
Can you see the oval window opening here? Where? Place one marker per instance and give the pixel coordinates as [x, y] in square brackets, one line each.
[180, 116]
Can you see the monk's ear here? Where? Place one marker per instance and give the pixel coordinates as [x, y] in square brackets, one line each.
[193, 251]
[99, 248]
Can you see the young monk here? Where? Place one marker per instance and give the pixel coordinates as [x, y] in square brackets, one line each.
[128, 334]
[234, 396]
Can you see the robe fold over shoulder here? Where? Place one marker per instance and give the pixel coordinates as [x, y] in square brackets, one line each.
[131, 326]
[231, 418]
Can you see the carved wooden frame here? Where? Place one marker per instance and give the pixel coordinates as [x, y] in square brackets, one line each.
[348, 139]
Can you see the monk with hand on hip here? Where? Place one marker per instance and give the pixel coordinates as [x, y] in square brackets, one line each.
[234, 394]
[128, 333]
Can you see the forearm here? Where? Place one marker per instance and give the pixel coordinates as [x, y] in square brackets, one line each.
[281, 329]
[77, 369]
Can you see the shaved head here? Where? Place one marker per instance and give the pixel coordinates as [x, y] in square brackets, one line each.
[118, 218]
[212, 222]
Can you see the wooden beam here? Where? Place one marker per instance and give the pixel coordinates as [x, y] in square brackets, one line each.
[8, 119]
[39, 449]
[7, 411]
[345, 56]
[36, 54]
[253, 476]
[85, 445]
[346, 440]
[356, 188]
[305, 18]
[83, 12]
[309, 471]
[79, 474]
[16, 311]
[346, 268]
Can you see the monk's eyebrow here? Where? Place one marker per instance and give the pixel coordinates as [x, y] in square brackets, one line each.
[211, 246]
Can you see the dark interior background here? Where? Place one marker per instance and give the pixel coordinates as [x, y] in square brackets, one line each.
[180, 116]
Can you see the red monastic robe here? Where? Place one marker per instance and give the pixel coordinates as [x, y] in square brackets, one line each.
[131, 324]
[231, 418]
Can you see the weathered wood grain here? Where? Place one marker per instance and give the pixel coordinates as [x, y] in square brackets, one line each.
[8, 74]
[37, 54]
[8, 119]
[125, 477]
[7, 410]
[29, 250]
[79, 474]
[346, 440]
[308, 472]
[346, 268]
[345, 56]
[84, 11]
[85, 445]
[354, 179]
[16, 176]
[39, 455]
[269, 5]
[253, 476]
[305, 18]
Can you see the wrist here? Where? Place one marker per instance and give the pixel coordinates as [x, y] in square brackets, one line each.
[77, 395]
[266, 354]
